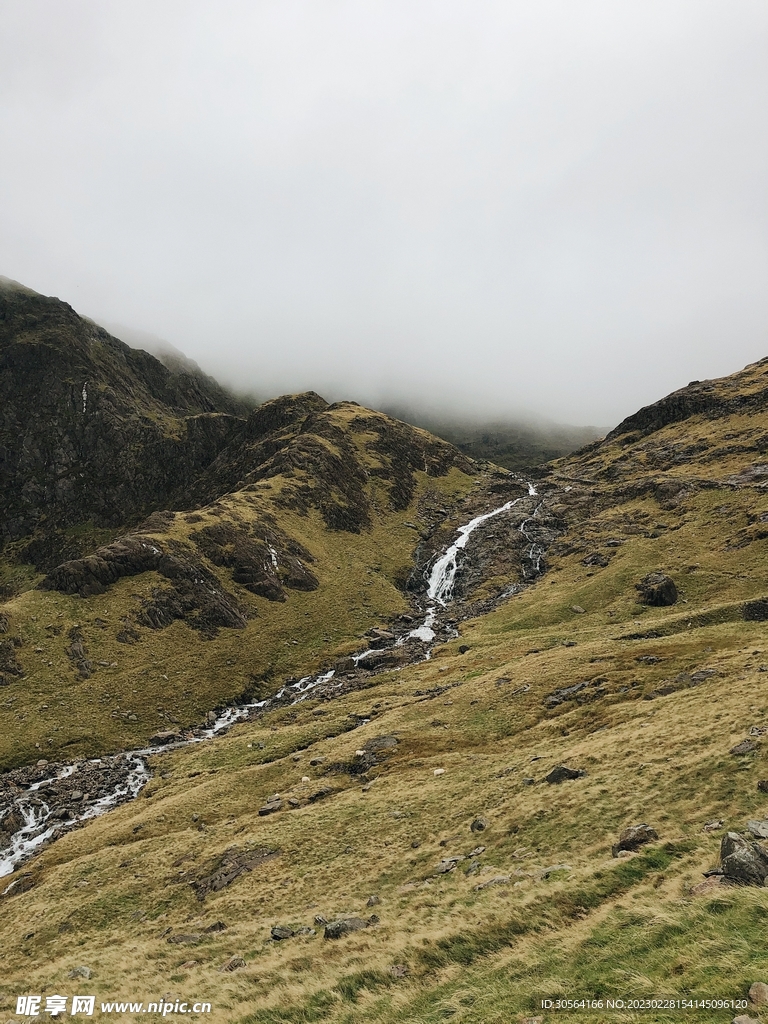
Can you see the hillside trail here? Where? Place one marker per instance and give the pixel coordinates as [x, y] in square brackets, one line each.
[116, 779]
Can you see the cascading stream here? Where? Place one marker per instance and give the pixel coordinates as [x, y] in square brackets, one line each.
[39, 822]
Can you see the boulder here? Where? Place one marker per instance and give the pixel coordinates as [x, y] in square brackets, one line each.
[743, 860]
[164, 736]
[233, 964]
[562, 773]
[745, 747]
[759, 829]
[758, 993]
[345, 925]
[270, 807]
[657, 589]
[280, 932]
[633, 838]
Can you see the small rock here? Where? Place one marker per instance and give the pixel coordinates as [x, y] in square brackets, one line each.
[335, 929]
[759, 829]
[217, 926]
[463, 648]
[305, 778]
[745, 747]
[439, 771]
[305, 931]
[280, 932]
[478, 825]
[476, 852]
[562, 773]
[373, 901]
[634, 837]
[233, 964]
[578, 609]
[80, 972]
[713, 826]
[398, 970]
[320, 920]
[758, 993]
[528, 782]
[315, 761]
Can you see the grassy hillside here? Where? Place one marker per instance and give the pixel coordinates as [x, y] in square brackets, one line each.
[575, 670]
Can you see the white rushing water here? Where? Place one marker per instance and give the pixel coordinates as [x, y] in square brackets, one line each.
[39, 825]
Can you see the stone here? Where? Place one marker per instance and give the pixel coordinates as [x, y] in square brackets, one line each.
[306, 930]
[447, 864]
[634, 837]
[270, 808]
[763, 785]
[755, 611]
[233, 964]
[439, 771]
[80, 972]
[578, 609]
[164, 736]
[528, 781]
[316, 761]
[398, 970]
[345, 925]
[463, 648]
[657, 589]
[478, 825]
[744, 1018]
[372, 901]
[562, 773]
[497, 880]
[280, 932]
[743, 860]
[217, 926]
[759, 829]
[745, 747]
[758, 993]
[713, 826]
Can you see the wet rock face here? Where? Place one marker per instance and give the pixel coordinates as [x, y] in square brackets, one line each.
[657, 589]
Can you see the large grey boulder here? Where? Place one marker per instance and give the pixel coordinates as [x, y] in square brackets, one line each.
[743, 860]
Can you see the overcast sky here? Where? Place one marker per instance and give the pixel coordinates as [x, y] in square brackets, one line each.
[547, 206]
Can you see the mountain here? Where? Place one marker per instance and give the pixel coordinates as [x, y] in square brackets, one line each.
[564, 801]
[516, 445]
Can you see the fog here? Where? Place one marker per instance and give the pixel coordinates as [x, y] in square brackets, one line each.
[484, 208]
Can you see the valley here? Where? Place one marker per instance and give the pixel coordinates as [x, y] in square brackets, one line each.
[412, 838]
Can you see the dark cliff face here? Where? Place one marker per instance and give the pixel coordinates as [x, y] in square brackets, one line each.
[90, 429]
